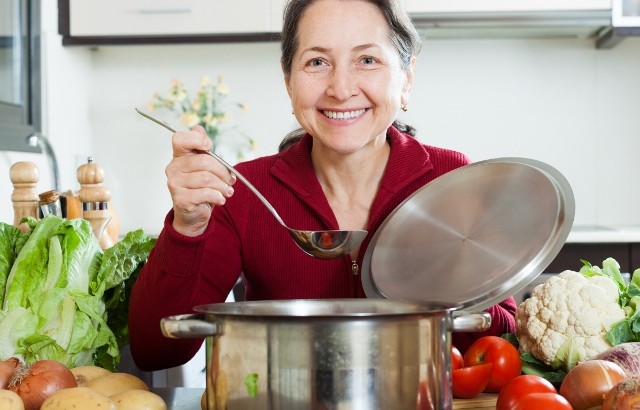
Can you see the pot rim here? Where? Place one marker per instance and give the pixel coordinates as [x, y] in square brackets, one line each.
[325, 308]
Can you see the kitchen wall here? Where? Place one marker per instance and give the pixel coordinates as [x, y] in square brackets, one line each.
[560, 101]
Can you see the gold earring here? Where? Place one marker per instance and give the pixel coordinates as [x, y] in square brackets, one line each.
[404, 107]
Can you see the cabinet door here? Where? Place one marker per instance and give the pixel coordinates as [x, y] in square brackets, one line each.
[461, 6]
[277, 8]
[168, 17]
[7, 12]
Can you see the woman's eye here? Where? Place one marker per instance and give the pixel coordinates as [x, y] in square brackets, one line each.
[368, 60]
[316, 62]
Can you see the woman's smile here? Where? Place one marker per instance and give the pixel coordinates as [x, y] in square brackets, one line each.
[343, 115]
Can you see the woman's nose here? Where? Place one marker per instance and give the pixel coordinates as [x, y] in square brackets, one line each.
[343, 84]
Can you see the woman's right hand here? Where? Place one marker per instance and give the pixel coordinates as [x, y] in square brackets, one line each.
[197, 181]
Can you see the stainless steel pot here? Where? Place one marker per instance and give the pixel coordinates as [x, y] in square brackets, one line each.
[326, 354]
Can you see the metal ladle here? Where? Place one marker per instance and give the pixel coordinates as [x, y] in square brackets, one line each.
[328, 244]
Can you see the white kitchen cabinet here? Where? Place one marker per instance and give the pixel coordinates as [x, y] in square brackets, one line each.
[277, 7]
[168, 17]
[515, 19]
[492, 6]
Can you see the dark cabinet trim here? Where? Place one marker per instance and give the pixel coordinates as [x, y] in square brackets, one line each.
[635, 257]
[64, 28]
[141, 40]
[627, 255]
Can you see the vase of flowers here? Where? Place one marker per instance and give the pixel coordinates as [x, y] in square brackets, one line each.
[208, 108]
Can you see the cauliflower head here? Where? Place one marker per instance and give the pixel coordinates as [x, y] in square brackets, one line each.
[568, 306]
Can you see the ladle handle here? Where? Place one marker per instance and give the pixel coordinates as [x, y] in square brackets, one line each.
[249, 185]
[226, 165]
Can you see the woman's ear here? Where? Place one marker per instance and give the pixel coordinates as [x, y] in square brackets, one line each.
[287, 83]
[406, 88]
[287, 80]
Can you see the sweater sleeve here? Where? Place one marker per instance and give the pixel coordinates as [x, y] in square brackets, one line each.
[165, 287]
[503, 320]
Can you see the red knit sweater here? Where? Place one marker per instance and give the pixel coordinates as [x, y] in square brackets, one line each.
[244, 239]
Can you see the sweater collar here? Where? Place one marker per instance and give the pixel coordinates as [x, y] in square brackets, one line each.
[408, 159]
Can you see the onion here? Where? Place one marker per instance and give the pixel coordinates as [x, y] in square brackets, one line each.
[626, 395]
[586, 384]
[627, 355]
[35, 383]
[7, 370]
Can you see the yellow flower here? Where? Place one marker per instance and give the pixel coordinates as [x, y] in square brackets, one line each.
[222, 88]
[207, 107]
[210, 120]
[190, 119]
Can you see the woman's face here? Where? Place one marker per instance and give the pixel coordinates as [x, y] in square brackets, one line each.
[346, 83]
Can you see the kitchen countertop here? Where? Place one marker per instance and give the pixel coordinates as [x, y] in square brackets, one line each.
[184, 398]
[180, 398]
[604, 234]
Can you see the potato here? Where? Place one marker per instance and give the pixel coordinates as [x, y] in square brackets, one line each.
[138, 400]
[115, 383]
[10, 400]
[84, 374]
[75, 398]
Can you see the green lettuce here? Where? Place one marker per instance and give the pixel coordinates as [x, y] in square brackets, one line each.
[15, 324]
[28, 272]
[119, 270]
[9, 235]
[64, 297]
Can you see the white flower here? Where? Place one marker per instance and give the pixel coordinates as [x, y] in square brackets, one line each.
[210, 120]
[190, 119]
[222, 88]
[208, 108]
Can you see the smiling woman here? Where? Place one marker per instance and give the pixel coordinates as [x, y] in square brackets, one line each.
[348, 70]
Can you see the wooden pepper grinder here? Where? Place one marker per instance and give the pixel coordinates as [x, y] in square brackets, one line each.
[24, 177]
[95, 200]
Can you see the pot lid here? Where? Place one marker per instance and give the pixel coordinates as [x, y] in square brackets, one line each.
[473, 236]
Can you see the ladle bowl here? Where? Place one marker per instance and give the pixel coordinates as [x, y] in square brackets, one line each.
[328, 244]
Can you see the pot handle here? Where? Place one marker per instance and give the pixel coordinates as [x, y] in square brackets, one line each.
[189, 326]
[471, 322]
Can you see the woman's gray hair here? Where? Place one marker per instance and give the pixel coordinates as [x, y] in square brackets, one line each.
[404, 35]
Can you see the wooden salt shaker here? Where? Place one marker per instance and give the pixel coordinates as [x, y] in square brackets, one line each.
[95, 200]
[24, 177]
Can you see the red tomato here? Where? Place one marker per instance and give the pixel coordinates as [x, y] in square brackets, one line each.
[521, 386]
[468, 382]
[457, 360]
[424, 397]
[546, 401]
[499, 352]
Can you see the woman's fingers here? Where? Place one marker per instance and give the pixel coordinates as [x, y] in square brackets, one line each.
[197, 182]
[185, 142]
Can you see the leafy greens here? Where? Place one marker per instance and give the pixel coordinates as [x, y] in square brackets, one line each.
[62, 297]
[628, 329]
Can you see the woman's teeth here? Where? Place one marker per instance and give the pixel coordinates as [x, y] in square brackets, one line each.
[343, 115]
